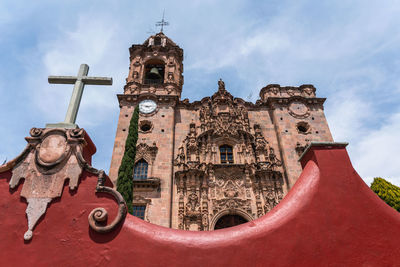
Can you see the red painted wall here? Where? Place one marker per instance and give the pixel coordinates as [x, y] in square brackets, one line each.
[330, 217]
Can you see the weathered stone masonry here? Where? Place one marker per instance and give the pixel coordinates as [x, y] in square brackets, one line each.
[189, 185]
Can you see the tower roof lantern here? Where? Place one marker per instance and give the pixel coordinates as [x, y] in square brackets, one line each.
[159, 39]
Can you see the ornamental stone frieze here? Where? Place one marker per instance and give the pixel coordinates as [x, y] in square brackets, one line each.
[206, 187]
[275, 90]
[204, 194]
[223, 115]
[146, 152]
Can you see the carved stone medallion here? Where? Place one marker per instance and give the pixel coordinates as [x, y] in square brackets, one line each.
[298, 110]
[52, 149]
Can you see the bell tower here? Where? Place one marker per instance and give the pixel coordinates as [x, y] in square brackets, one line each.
[154, 83]
[213, 163]
[155, 67]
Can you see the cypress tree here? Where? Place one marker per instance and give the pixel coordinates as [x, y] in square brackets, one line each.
[125, 172]
[387, 192]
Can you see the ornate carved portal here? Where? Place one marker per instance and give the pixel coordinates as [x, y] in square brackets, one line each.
[251, 186]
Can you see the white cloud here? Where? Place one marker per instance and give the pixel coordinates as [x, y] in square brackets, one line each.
[376, 153]
[346, 115]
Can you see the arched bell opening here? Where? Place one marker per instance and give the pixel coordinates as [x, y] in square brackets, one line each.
[154, 72]
[229, 218]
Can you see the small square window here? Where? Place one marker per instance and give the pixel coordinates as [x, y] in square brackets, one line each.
[138, 211]
[226, 154]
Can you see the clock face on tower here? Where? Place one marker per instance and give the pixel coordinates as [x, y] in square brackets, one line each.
[147, 106]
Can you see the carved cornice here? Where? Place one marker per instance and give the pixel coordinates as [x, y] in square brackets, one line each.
[151, 183]
[275, 90]
[272, 101]
[167, 88]
[137, 199]
[144, 50]
[169, 47]
[185, 103]
[132, 100]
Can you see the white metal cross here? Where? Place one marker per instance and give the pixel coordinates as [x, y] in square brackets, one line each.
[79, 83]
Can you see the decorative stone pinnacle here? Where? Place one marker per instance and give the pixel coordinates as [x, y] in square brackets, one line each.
[221, 85]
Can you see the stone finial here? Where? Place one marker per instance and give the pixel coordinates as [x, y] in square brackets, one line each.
[221, 85]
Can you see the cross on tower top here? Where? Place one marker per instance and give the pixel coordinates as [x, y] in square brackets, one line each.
[79, 82]
[162, 23]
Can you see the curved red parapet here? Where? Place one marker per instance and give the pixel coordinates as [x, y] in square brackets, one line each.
[330, 217]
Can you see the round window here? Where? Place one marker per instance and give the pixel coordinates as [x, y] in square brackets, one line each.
[303, 127]
[145, 127]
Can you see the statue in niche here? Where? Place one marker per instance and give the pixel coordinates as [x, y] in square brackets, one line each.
[181, 155]
[270, 201]
[205, 221]
[193, 205]
[170, 77]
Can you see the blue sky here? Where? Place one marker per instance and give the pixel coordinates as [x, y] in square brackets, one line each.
[348, 49]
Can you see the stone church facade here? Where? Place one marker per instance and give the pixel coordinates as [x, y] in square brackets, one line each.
[216, 162]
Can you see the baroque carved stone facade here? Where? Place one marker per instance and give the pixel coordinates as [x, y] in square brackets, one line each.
[215, 157]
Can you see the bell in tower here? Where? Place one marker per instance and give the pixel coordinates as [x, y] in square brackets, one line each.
[154, 73]
[156, 67]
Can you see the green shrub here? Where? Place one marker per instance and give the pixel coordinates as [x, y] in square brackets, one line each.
[387, 192]
[125, 172]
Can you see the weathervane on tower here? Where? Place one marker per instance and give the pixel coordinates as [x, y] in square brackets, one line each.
[162, 23]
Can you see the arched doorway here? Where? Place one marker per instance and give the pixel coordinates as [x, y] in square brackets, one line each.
[229, 220]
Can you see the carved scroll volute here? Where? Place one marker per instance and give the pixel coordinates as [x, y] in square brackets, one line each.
[98, 217]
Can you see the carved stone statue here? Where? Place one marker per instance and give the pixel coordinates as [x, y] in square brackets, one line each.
[221, 85]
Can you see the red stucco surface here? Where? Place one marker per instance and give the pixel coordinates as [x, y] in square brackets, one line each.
[329, 218]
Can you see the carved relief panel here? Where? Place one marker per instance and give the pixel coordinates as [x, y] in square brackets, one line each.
[250, 184]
